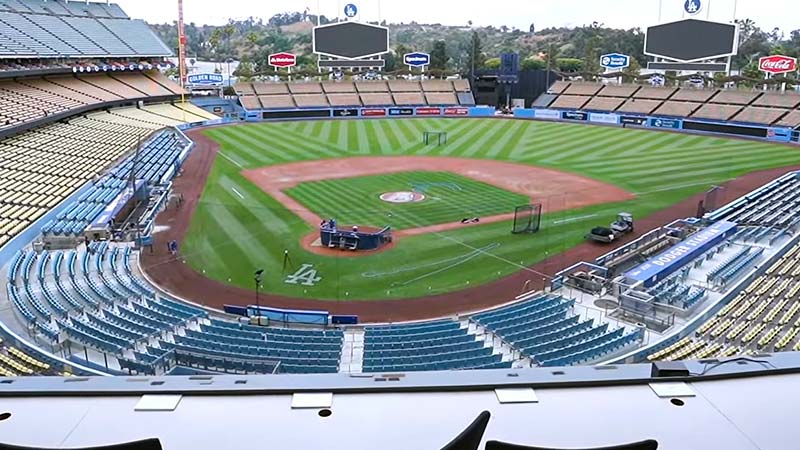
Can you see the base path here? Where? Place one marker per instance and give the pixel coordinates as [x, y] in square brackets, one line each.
[178, 278]
[555, 190]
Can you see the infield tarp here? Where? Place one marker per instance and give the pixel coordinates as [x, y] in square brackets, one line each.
[667, 262]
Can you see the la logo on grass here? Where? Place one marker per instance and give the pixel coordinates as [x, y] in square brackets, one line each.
[305, 275]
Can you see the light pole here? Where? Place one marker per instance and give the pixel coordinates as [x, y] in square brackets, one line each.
[229, 61]
[258, 276]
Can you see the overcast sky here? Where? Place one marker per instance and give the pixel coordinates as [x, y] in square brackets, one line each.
[518, 13]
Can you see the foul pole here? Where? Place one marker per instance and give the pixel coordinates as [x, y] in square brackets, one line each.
[182, 55]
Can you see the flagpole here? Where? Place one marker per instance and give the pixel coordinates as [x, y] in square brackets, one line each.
[660, 8]
[319, 13]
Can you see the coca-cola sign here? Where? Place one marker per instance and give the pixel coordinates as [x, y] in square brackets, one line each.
[282, 60]
[777, 64]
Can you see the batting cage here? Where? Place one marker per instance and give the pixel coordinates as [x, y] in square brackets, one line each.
[435, 137]
[527, 218]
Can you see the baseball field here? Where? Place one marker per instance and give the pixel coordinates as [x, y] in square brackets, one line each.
[270, 183]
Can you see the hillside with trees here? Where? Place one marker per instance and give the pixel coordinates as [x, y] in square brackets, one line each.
[572, 50]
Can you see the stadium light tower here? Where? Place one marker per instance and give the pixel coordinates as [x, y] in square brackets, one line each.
[181, 47]
[257, 277]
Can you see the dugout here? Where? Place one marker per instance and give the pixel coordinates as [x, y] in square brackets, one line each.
[363, 239]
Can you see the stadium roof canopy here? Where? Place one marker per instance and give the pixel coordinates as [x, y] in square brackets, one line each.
[60, 29]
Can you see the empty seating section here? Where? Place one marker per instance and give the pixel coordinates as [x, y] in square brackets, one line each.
[146, 85]
[693, 95]
[587, 89]
[155, 160]
[276, 101]
[377, 99]
[624, 91]
[438, 345]
[678, 109]
[94, 298]
[270, 88]
[15, 362]
[182, 113]
[408, 98]
[776, 207]
[437, 86]
[29, 99]
[258, 95]
[717, 111]
[558, 87]
[570, 101]
[778, 100]
[441, 98]
[461, 85]
[764, 317]
[311, 100]
[344, 100]
[756, 114]
[639, 106]
[791, 119]
[335, 87]
[371, 86]
[404, 86]
[44, 166]
[734, 97]
[544, 328]
[137, 35]
[603, 104]
[74, 29]
[305, 88]
[654, 93]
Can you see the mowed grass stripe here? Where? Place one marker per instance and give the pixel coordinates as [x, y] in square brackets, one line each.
[275, 143]
[488, 139]
[649, 156]
[240, 149]
[393, 141]
[643, 165]
[506, 143]
[453, 132]
[376, 137]
[568, 149]
[462, 141]
[638, 143]
[313, 145]
[351, 133]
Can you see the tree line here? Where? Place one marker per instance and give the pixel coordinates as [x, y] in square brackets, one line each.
[458, 49]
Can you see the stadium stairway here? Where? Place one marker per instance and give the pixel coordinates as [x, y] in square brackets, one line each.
[507, 352]
[352, 351]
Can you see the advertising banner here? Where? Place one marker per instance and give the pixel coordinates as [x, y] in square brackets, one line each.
[373, 112]
[428, 111]
[612, 119]
[401, 111]
[574, 115]
[550, 114]
[658, 122]
[345, 112]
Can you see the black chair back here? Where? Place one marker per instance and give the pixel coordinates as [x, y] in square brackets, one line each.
[470, 438]
[146, 444]
[648, 444]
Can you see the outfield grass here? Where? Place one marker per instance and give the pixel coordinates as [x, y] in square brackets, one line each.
[238, 228]
[448, 198]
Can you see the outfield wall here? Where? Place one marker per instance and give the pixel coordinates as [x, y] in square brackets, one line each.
[700, 126]
[746, 130]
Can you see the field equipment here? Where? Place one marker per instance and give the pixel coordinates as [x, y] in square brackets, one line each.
[527, 218]
[622, 226]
